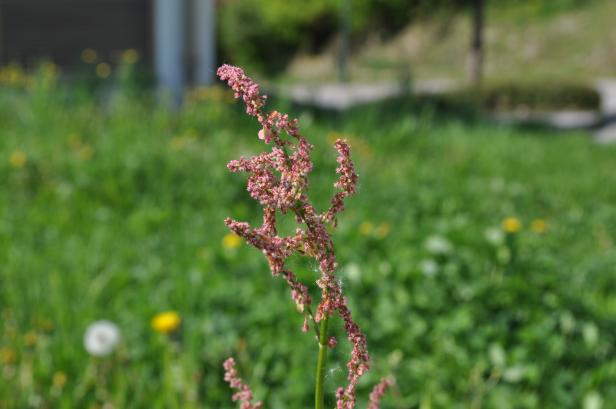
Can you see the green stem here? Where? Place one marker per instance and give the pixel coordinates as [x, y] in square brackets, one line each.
[319, 392]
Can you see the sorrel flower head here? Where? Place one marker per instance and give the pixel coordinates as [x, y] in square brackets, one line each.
[243, 394]
[378, 392]
[278, 180]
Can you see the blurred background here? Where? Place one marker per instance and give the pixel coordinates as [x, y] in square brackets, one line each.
[478, 255]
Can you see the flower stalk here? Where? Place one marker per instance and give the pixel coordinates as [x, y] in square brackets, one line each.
[319, 390]
[278, 180]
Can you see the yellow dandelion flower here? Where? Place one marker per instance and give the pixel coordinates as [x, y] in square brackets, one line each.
[18, 159]
[358, 145]
[191, 134]
[13, 75]
[166, 322]
[130, 56]
[177, 143]
[49, 69]
[203, 253]
[539, 226]
[59, 379]
[30, 338]
[7, 355]
[85, 152]
[46, 325]
[10, 332]
[333, 136]
[383, 230]
[103, 70]
[74, 141]
[511, 225]
[89, 56]
[366, 228]
[231, 241]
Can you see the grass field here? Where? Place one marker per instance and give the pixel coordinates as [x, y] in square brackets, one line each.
[113, 210]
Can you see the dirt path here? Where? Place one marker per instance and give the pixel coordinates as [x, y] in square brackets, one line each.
[338, 96]
[607, 133]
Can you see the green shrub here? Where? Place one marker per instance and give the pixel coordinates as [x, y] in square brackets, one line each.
[264, 34]
[543, 97]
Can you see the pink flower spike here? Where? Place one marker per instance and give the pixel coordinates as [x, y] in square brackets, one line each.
[346, 183]
[265, 135]
[244, 393]
[244, 88]
[278, 180]
[377, 393]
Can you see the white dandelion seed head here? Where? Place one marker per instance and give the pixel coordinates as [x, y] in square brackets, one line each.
[353, 272]
[333, 371]
[593, 400]
[429, 267]
[101, 338]
[495, 236]
[438, 245]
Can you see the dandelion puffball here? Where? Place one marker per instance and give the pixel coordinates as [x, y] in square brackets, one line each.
[101, 338]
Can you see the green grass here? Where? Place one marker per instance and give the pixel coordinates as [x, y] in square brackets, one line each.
[117, 214]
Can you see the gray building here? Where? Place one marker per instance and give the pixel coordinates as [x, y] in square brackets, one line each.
[176, 37]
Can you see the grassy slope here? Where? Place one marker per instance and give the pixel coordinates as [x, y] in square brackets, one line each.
[117, 214]
[578, 44]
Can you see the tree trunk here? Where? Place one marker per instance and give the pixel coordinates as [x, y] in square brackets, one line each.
[345, 28]
[475, 57]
